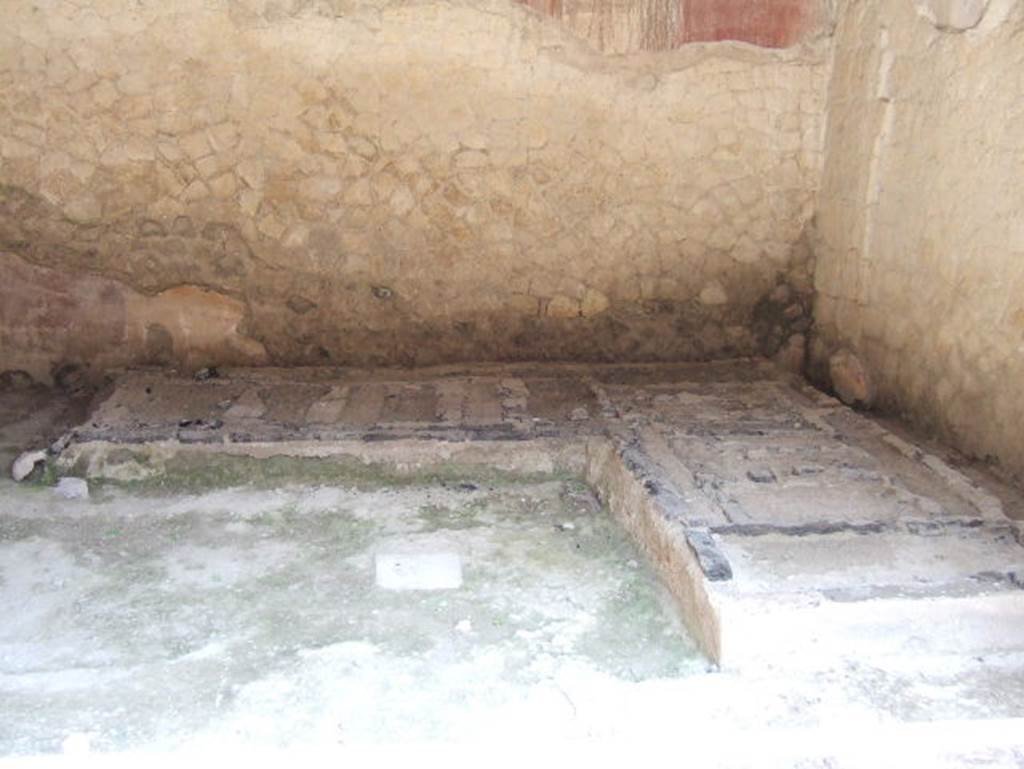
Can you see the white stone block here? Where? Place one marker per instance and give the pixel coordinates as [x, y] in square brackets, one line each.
[419, 571]
[72, 488]
[26, 463]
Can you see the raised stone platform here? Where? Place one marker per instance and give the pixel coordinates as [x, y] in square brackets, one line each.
[788, 527]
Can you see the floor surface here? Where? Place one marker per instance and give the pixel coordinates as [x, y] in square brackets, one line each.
[875, 579]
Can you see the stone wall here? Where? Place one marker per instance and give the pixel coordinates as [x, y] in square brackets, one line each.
[385, 182]
[920, 271]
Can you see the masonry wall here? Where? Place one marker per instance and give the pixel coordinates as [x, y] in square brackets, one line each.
[241, 181]
[920, 269]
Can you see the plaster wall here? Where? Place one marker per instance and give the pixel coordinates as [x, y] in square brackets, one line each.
[920, 225]
[388, 182]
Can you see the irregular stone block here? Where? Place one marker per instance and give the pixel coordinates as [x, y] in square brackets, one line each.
[26, 463]
[850, 379]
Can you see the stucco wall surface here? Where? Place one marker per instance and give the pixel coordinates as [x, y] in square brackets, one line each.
[393, 182]
[920, 227]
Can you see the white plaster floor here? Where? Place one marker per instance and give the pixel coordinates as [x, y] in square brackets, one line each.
[237, 616]
[252, 617]
[226, 620]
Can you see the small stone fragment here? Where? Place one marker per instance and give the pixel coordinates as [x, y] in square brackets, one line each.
[850, 379]
[72, 488]
[26, 463]
[61, 443]
[207, 372]
[578, 414]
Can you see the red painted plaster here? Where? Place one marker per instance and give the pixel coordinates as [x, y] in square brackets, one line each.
[768, 23]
